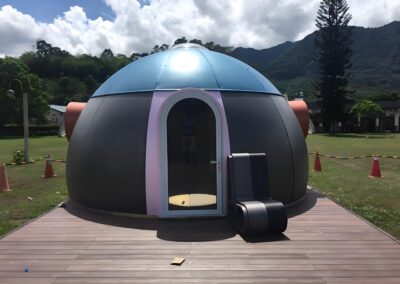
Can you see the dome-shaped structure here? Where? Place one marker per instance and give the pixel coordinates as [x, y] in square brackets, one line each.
[155, 137]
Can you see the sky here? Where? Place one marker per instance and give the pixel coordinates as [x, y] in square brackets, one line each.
[127, 26]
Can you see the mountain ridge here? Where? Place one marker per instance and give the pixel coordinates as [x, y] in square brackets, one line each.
[292, 66]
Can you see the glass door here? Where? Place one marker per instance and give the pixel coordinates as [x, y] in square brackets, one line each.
[192, 157]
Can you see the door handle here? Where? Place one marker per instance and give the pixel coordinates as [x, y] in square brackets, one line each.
[216, 163]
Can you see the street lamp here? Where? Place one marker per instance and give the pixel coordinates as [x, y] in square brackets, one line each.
[11, 93]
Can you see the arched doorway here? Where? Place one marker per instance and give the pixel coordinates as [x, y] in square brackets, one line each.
[192, 156]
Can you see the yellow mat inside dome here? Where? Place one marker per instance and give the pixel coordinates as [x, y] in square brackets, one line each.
[192, 200]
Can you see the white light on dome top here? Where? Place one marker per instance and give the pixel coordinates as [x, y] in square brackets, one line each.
[184, 61]
[188, 45]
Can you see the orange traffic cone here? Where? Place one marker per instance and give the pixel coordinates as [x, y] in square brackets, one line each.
[3, 180]
[317, 163]
[376, 170]
[48, 170]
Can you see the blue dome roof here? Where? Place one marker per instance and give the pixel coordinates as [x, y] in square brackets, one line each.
[186, 66]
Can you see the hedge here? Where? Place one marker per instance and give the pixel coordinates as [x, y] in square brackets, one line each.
[34, 130]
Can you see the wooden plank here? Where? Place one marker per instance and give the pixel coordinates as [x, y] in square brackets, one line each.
[27, 280]
[386, 280]
[187, 280]
[180, 272]
[201, 261]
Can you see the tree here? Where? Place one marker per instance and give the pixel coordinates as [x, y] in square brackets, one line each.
[196, 41]
[44, 49]
[90, 85]
[134, 56]
[47, 60]
[158, 48]
[218, 48]
[367, 108]
[107, 53]
[333, 44]
[38, 98]
[164, 47]
[69, 89]
[11, 107]
[180, 40]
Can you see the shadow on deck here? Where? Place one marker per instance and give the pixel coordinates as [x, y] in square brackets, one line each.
[189, 230]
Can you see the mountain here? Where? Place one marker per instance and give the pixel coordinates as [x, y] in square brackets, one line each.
[291, 65]
[263, 57]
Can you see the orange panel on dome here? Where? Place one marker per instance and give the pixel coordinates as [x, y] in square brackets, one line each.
[71, 115]
[300, 109]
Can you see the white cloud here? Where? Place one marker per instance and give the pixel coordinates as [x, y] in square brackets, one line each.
[136, 28]
[18, 32]
[372, 13]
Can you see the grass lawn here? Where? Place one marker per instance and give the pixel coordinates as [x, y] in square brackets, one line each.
[347, 181]
[26, 181]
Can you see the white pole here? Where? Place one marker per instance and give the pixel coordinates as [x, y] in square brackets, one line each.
[26, 125]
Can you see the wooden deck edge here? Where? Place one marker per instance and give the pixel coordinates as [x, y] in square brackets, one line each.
[358, 216]
[34, 219]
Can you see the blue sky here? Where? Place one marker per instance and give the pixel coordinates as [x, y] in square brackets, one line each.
[46, 10]
[127, 26]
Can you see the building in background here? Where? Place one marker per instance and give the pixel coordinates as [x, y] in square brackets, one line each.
[56, 117]
[389, 121]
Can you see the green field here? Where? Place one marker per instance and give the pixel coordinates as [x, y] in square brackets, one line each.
[26, 181]
[345, 181]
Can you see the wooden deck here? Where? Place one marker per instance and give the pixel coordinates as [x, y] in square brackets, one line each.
[324, 243]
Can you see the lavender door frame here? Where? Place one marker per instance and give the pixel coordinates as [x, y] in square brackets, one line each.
[156, 188]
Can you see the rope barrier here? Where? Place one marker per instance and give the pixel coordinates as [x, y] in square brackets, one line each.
[311, 153]
[33, 161]
[354, 157]
[60, 161]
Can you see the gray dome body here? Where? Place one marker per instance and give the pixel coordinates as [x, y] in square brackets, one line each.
[109, 156]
